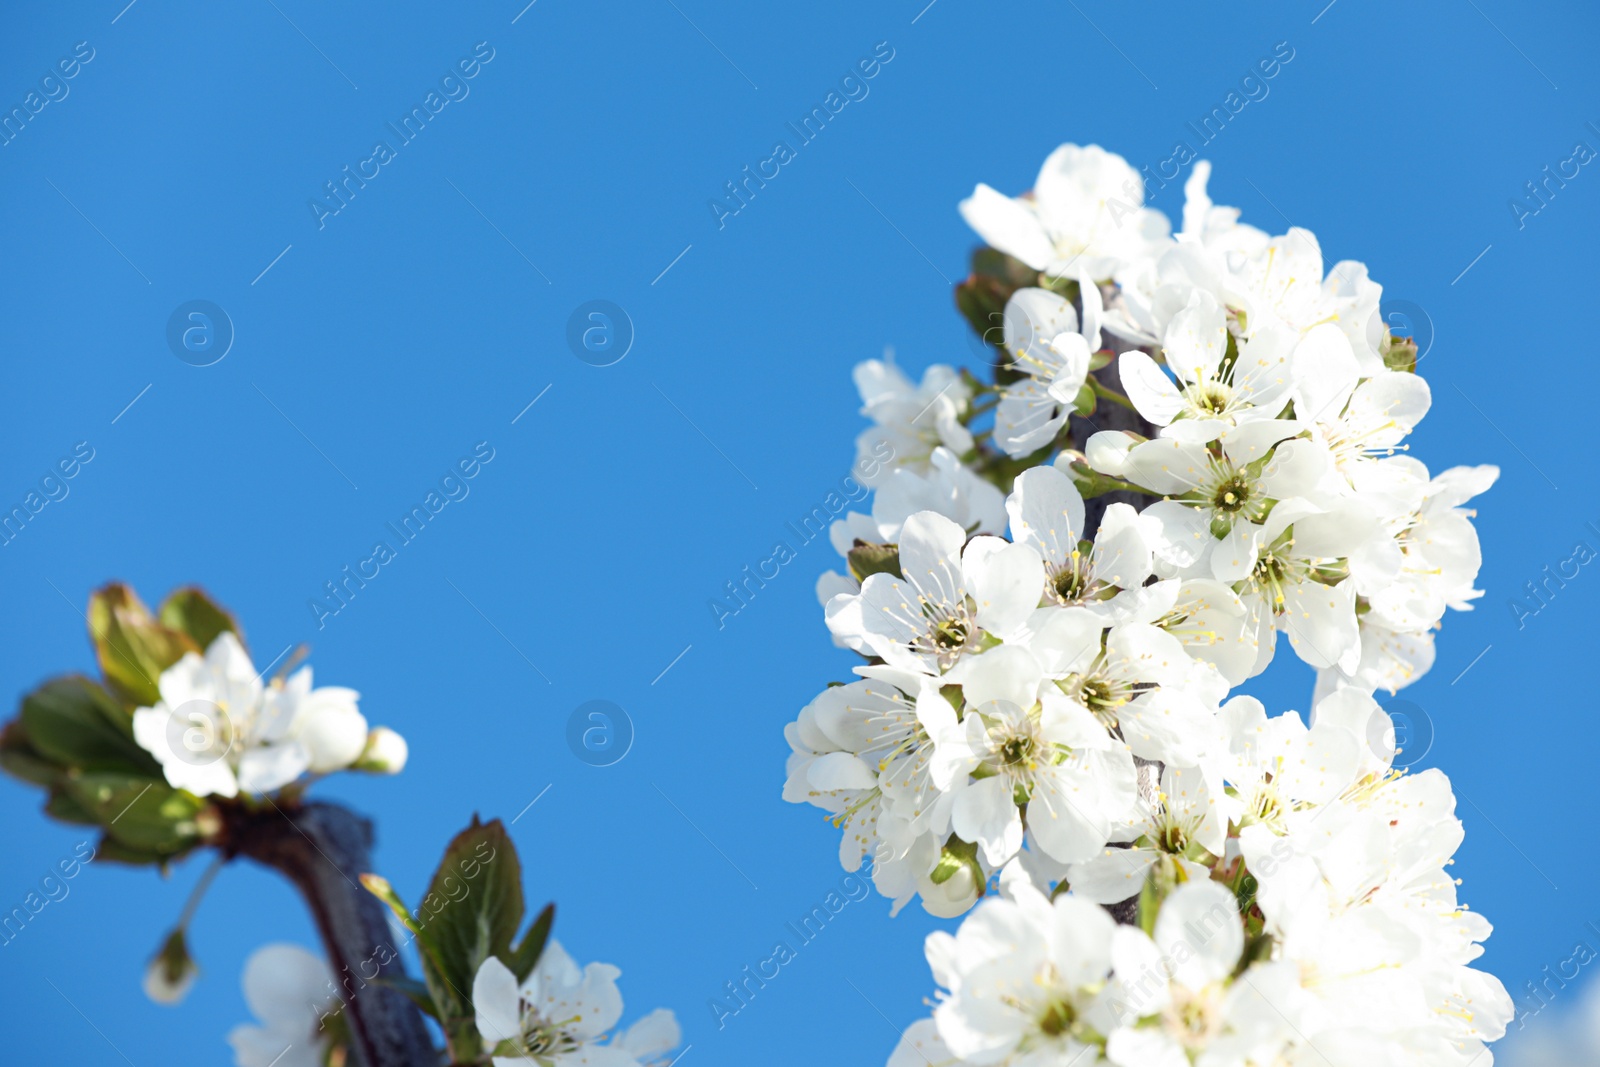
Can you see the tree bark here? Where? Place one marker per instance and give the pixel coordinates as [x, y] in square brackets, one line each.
[323, 849]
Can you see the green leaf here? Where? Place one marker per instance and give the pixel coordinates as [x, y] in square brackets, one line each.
[65, 806]
[133, 648]
[471, 912]
[75, 723]
[474, 903]
[142, 812]
[19, 757]
[1086, 401]
[190, 611]
[867, 559]
[526, 956]
[1008, 270]
[982, 303]
[114, 851]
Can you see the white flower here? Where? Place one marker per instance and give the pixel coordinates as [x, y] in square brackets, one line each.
[946, 488]
[652, 1037]
[1287, 571]
[1143, 684]
[1176, 985]
[1047, 515]
[953, 595]
[1281, 286]
[1217, 229]
[911, 420]
[560, 1016]
[821, 772]
[1026, 981]
[1361, 418]
[218, 731]
[1212, 393]
[1036, 748]
[1357, 896]
[1213, 624]
[1043, 340]
[1253, 465]
[1087, 212]
[1390, 660]
[1440, 554]
[1179, 828]
[289, 990]
[1277, 768]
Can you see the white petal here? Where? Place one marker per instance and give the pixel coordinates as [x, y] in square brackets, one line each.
[984, 812]
[1148, 386]
[1008, 226]
[1046, 512]
[1112, 876]
[496, 999]
[1006, 585]
[1204, 916]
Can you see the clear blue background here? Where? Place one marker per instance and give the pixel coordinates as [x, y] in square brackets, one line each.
[409, 329]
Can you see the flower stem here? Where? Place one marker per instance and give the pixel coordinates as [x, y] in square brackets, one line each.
[199, 891]
[1107, 393]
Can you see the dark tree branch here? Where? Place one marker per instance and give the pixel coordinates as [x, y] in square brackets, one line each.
[323, 849]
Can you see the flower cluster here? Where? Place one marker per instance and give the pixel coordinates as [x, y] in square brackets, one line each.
[1054, 616]
[218, 730]
[1293, 908]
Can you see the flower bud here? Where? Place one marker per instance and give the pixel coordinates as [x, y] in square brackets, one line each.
[385, 753]
[171, 971]
[334, 733]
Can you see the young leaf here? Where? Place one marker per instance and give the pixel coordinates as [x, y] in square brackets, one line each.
[75, 723]
[472, 910]
[19, 757]
[141, 812]
[474, 903]
[132, 647]
[190, 611]
[868, 559]
[64, 806]
[109, 849]
[526, 956]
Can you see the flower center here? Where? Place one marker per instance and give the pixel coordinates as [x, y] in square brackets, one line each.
[1069, 585]
[1102, 697]
[1017, 750]
[1233, 495]
[1213, 398]
[1274, 570]
[950, 634]
[1267, 807]
[1057, 1018]
[1192, 1018]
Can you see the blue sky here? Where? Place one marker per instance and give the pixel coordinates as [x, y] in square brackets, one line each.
[374, 347]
